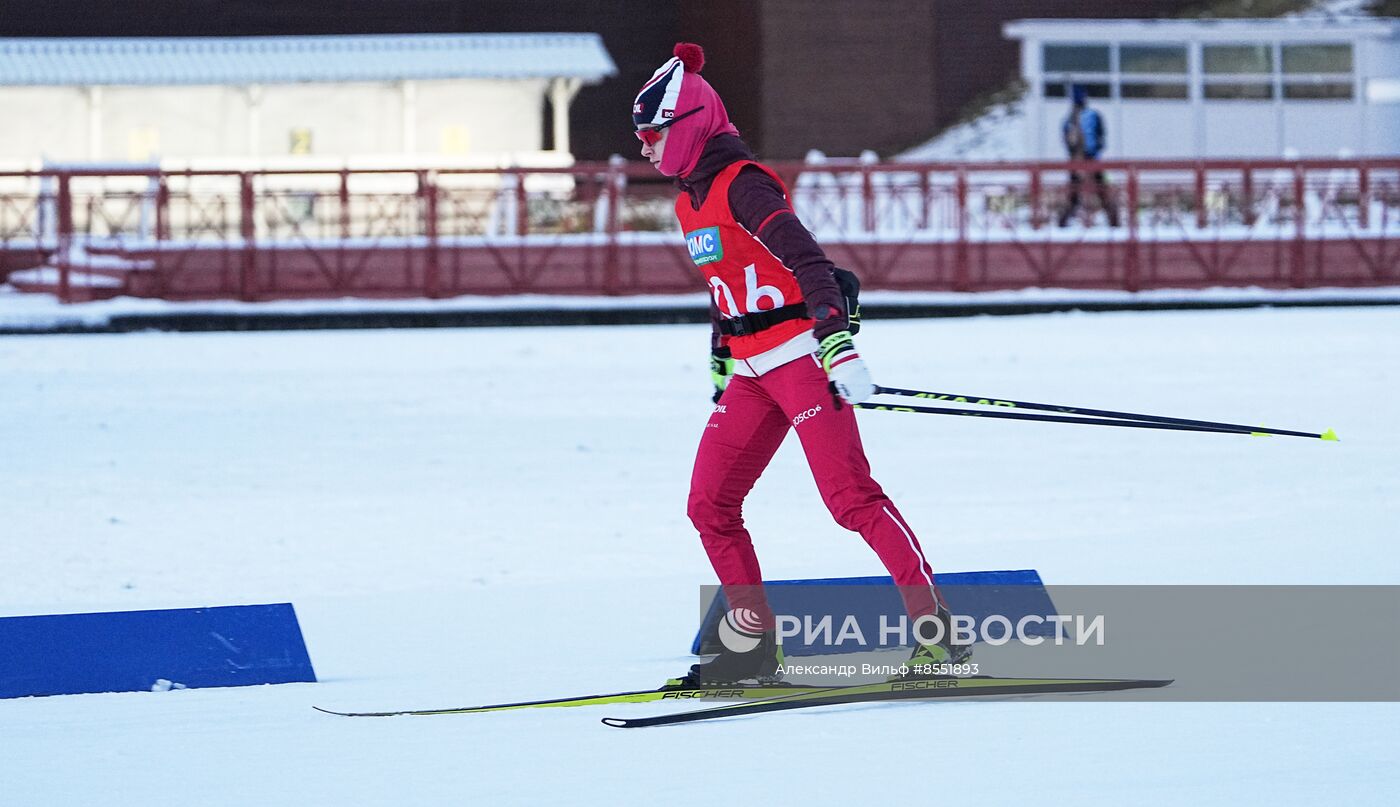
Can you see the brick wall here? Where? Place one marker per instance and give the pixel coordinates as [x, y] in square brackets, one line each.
[846, 75]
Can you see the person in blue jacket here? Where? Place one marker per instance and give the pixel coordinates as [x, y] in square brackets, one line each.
[1084, 137]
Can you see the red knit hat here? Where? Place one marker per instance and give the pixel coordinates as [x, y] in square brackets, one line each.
[677, 97]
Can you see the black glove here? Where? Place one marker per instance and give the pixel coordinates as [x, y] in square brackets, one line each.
[850, 289]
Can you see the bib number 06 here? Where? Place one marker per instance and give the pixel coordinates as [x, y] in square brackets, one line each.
[724, 297]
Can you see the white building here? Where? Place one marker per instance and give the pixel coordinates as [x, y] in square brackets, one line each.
[1217, 88]
[309, 101]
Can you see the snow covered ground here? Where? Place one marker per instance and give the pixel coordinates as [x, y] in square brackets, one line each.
[466, 516]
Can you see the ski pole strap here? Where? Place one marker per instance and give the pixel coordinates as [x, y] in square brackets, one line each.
[761, 320]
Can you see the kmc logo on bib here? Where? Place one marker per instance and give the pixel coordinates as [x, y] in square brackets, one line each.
[704, 246]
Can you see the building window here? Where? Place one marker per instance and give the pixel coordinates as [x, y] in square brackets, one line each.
[1075, 59]
[1238, 72]
[1238, 91]
[1087, 65]
[1317, 59]
[1317, 72]
[1152, 59]
[1153, 91]
[1238, 59]
[1320, 91]
[1094, 89]
[299, 141]
[1152, 72]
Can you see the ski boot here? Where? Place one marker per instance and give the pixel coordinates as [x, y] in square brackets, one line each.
[927, 659]
[762, 665]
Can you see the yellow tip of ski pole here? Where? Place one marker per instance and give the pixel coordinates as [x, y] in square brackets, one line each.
[1330, 435]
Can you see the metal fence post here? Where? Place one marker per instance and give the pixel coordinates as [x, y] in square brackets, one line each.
[162, 232]
[1247, 188]
[1037, 215]
[344, 203]
[1363, 196]
[1201, 220]
[247, 276]
[925, 204]
[65, 238]
[961, 272]
[1132, 279]
[1298, 271]
[867, 197]
[522, 203]
[432, 270]
[162, 208]
[612, 257]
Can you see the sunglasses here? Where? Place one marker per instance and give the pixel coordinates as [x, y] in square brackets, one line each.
[652, 134]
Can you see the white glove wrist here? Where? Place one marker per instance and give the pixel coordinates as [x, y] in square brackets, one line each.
[848, 374]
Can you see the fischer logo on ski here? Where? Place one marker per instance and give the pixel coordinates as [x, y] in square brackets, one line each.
[687, 694]
[931, 683]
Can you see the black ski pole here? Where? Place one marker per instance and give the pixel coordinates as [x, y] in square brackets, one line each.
[981, 413]
[1195, 425]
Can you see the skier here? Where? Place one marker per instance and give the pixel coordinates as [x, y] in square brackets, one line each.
[782, 357]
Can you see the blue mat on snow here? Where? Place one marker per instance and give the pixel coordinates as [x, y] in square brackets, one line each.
[128, 651]
[1012, 594]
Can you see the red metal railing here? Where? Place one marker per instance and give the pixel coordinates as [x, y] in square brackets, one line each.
[609, 228]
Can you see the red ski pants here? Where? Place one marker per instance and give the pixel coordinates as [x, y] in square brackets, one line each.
[744, 431]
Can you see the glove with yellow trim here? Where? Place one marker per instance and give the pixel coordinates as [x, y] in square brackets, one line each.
[721, 370]
[850, 380]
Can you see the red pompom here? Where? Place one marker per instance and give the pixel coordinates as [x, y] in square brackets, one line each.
[691, 55]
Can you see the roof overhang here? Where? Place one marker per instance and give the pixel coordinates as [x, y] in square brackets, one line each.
[1229, 30]
[297, 59]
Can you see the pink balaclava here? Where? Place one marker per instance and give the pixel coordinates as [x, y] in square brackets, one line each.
[675, 92]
